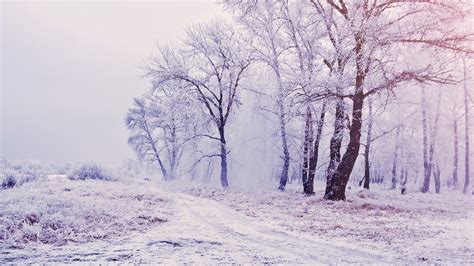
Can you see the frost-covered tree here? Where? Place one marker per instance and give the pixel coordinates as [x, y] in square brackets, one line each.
[161, 126]
[467, 106]
[262, 21]
[143, 139]
[211, 64]
[381, 35]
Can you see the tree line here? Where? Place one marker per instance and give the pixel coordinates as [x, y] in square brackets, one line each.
[344, 62]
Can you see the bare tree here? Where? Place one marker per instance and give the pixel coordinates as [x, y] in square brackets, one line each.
[456, 114]
[313, 157]
[370, 124]
[426, 161]
[395, 158]
[212, 65]
[434, 134]
[429, 145]
[143, 138]
[466, 124]
[161, 126]
[303, 37]
[262, 21]
[307, 149]
[377, 31]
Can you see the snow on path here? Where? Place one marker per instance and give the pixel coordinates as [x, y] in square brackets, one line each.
[275, 245]
[204, 231]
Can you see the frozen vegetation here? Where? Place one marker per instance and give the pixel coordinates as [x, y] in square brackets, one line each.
[288, 132]
[57, 212]
[62, 220]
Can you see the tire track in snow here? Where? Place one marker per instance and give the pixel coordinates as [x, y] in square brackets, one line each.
[272, 242]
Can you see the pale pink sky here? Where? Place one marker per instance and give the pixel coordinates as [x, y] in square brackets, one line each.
[69, 72]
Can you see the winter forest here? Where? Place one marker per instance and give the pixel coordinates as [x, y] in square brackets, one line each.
[286, 132]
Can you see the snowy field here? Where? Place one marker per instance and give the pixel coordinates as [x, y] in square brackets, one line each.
[59, 220]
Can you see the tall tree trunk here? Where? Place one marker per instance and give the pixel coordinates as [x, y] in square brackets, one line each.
[286, 155]
[403, 172]
[434, 132]
[336, 142]
[308, 142]
[284, 140]
[426, 161]
[160, 162]
[313, 159]
[223, 155]
[466, 122]
[173, 154]
[395, 159]
[456, 153]
[437, 175]
[367, 147]
[403, 180]
[155, 152]
[340, 177]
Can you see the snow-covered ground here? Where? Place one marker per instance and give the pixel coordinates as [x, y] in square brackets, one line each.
[178, 222]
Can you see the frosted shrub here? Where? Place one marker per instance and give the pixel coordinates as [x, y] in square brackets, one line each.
[9, 179]
[20, 173]
[90, 171]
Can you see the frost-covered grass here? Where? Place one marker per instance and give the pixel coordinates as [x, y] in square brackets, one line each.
[416, 226]
[61, 211]
[63, 220]
[17, 173]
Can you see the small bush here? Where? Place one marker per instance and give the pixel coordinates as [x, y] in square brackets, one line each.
[9, 181]
[19, 174]
[90, 171]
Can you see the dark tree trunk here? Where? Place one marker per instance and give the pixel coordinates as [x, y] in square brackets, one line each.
[223, 155]
[456, 153]
[336, 142]
[403, 180]
[340, 177]
[437, 175]
[308, 142]
[395, 159]
[367, 148]
[286, 160]
[426, 161]
[160, 162]
[313, 159]
[466, 124]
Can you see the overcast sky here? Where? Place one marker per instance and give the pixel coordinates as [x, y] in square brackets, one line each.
[69, 72]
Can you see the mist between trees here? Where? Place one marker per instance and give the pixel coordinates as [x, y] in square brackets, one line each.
[350, 92]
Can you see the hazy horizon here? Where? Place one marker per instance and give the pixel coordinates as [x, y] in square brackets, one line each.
[70, 71]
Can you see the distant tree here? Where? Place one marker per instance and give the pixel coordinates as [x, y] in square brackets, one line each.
[429, 145]
[143, 134]
[161, 125]
[262, 21]
[395, 158]
[467, 105]
[304, 46]
[456, 114]
[211, 64]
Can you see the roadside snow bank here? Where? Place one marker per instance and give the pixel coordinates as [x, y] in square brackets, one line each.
[61, 211]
